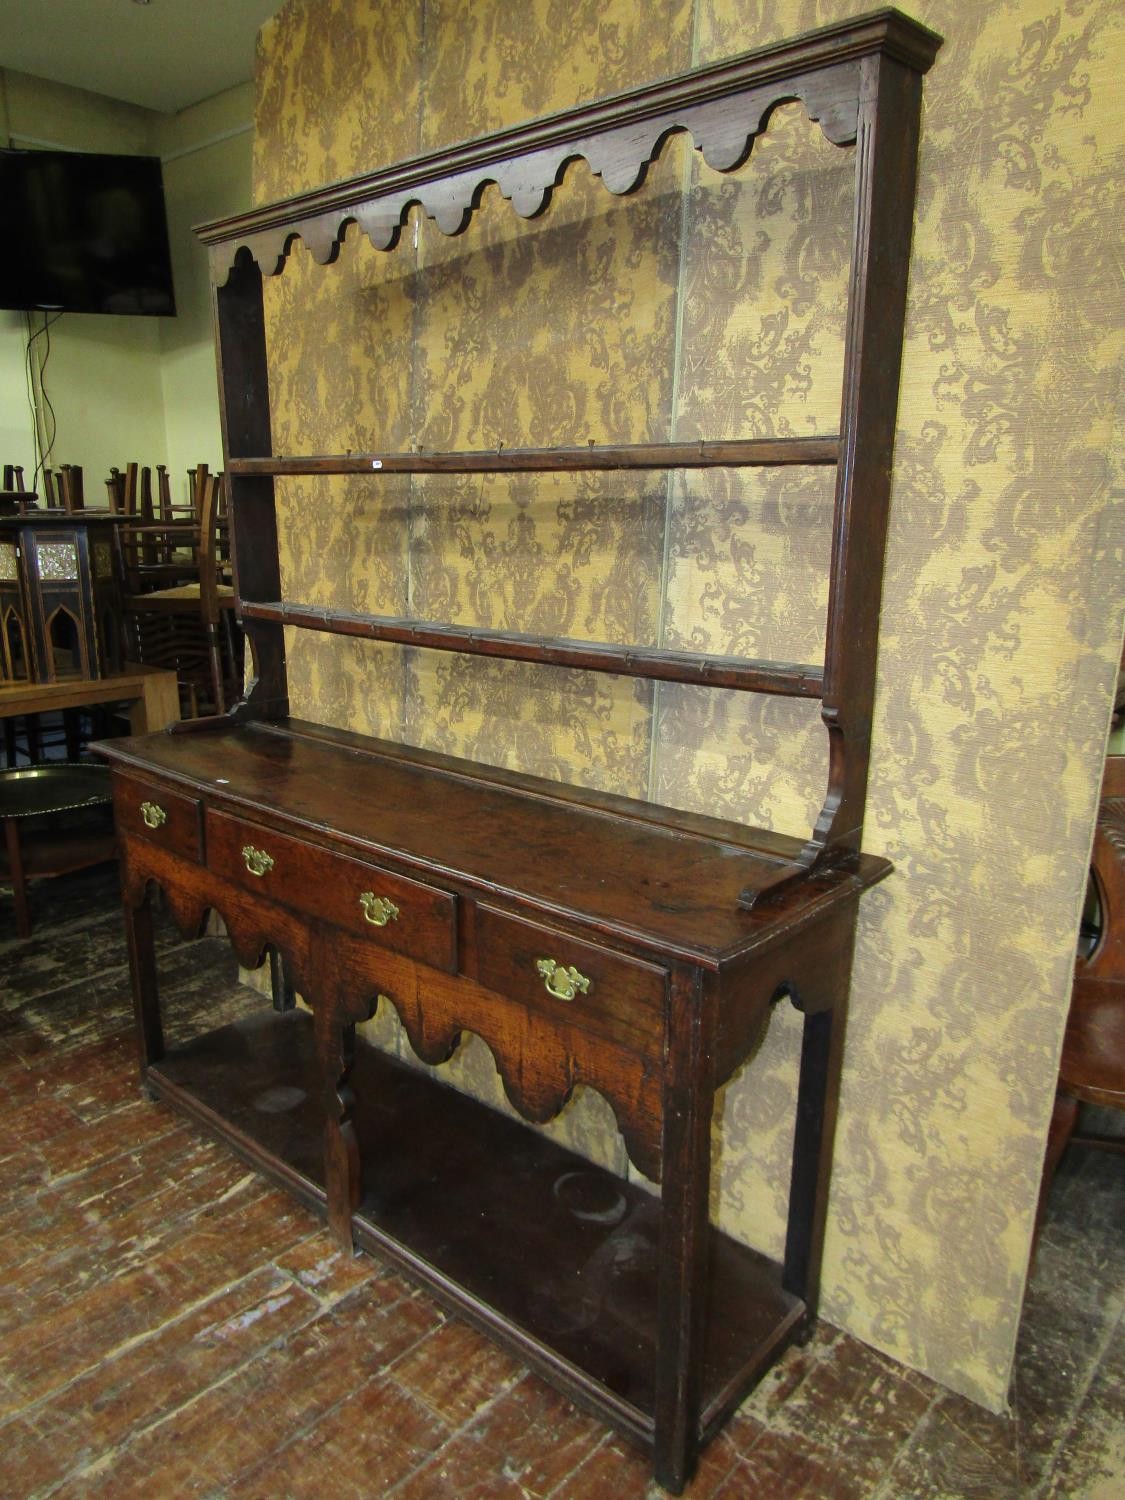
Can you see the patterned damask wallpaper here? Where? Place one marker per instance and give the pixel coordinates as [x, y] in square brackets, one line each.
[711, 306]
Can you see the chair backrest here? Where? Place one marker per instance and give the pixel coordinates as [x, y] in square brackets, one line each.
[115, 489]
[182, 627]
[129, 489]
[164, 493]
[197, 481]
[52, 490]
[210, 551]
[70, 487]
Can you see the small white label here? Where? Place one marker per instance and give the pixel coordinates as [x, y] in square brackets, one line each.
[376, 463]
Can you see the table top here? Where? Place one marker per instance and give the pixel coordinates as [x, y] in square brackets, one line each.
[33, 791]
[666, 881]
[73, 692]
[33, 517]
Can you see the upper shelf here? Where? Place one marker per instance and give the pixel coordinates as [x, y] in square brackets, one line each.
[749, 452]
[723, 106]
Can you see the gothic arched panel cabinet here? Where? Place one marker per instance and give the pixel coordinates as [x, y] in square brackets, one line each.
[644, 967]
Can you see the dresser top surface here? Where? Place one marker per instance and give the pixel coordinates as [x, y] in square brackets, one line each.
[645, 875]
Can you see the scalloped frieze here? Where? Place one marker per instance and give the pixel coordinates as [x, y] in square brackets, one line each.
[187, 910]
[252, 925]
[723, 131]
[541, 1093]
[540, 1063]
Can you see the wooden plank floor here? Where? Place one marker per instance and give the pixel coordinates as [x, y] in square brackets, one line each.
[171, 1326]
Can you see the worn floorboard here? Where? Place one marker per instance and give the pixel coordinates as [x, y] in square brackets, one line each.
[171, 1325]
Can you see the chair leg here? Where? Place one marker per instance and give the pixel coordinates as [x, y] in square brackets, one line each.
[72, 729]
[215, 657]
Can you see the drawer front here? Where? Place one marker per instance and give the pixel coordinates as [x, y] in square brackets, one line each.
[152, 811]
[620, 998]
[391, 910]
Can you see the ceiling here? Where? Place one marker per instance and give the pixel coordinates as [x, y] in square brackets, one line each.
[165, 54]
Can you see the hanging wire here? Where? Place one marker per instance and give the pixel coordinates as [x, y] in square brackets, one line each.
[45, 333]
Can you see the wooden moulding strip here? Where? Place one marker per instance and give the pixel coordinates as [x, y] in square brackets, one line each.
[776, 71]
[748, 452]
[787, 679]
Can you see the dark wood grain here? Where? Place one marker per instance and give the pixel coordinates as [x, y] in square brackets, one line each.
[328, 886]
[177, 821]
[643, 886]
[623, 999]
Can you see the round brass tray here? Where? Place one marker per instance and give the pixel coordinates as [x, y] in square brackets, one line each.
[34, 791]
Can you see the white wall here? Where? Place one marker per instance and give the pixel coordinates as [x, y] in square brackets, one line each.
[125, 388]
[16, 441]
[207, 154]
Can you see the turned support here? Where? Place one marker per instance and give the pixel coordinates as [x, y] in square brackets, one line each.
[335, 1049]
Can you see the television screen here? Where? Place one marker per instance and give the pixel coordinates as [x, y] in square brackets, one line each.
[84, 232]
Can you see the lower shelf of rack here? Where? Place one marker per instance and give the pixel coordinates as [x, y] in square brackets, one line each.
[550, 1254]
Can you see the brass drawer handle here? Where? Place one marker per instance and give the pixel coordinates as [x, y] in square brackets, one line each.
[377, 909]
[154, 815]
[564, 984]
[257, 860]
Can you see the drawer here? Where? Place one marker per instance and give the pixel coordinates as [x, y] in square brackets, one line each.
[414, 919]
[152, 811]
[620, 998]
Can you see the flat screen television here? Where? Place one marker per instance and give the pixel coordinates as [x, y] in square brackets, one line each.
[84, 232]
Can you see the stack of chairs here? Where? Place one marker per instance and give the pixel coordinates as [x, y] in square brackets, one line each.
[63, 488]
[34, 737]
[15, 498]
[178, 604]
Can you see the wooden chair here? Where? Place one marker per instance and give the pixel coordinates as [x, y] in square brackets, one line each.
[1092, 1066]
[188, 626]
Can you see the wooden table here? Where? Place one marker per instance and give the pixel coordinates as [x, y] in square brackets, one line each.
[151, 694]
